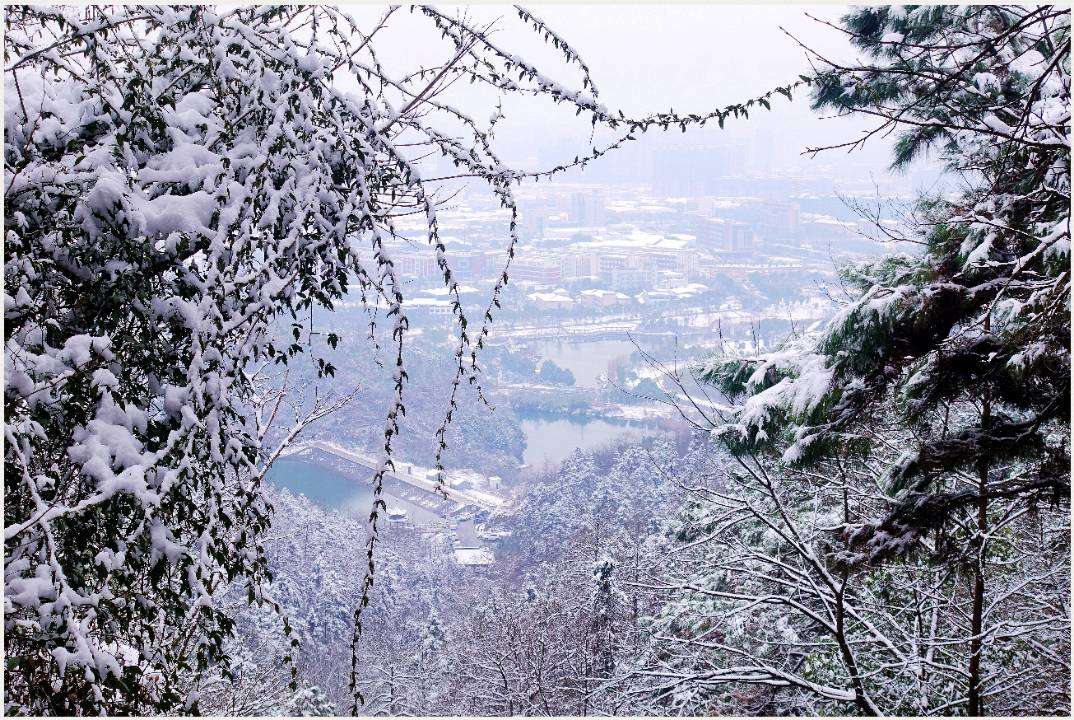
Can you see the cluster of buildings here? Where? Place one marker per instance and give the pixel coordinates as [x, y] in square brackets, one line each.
[699, 233]
[626, 243]
[626, 261]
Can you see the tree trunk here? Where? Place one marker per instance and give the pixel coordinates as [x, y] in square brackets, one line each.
[860, 698]
[975, 704]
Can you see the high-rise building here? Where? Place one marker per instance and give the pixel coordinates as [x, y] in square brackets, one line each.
[532, 226]
[739, 237]
[609, 263]
[416, 265]
[728, 235]
[576, 266]
[587, 209]
[781, 215]
[631, 280]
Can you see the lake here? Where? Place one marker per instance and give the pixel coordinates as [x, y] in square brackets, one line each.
[586, 360]
[334, 490]
[551, 439]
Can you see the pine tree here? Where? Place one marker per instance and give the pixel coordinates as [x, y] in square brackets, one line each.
[964, 348]
[981, 316]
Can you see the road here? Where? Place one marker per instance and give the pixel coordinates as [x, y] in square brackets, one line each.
[467, 535]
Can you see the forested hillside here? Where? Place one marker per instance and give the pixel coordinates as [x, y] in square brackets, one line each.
[872, 517]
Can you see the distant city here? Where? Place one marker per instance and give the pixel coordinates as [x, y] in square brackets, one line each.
[715, 244]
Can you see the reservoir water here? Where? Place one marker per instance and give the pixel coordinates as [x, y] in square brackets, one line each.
[334, 490]
[550, 440]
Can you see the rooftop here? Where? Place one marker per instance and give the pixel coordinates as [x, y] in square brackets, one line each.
[474, 556]
[639, 240]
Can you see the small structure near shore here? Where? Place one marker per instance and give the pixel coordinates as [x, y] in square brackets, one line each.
[474, 556]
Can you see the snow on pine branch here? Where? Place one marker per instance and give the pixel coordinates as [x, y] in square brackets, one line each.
[981, 317]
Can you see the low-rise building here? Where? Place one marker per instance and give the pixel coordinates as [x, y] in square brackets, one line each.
[474, 556]
[557, 300]
[603, 298]
[432, 306]
[537, 272]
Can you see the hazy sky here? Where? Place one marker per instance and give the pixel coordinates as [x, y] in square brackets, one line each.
[689, 55]
[694, 57]
[647, 58]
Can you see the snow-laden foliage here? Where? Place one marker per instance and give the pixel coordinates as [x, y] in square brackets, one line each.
[761, 614]
[983, 312]
[317, 578]
[598, 499]
[559, 627]
[544, 630]
[178, 182]
[947, 372]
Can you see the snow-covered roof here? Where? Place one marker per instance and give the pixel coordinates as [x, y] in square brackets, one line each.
[605, 293]
[474, 556]
[640, 240]
[552, 297]
[462, 290]
[684, 291]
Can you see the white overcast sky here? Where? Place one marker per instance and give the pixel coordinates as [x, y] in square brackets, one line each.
[648, 58]
[689, 55]
[694, 57]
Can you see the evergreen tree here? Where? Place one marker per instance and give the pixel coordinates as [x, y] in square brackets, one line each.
[978, 321]
[963, 348]
[608, 611]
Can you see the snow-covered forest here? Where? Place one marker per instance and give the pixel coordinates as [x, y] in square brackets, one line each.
[870, 517]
